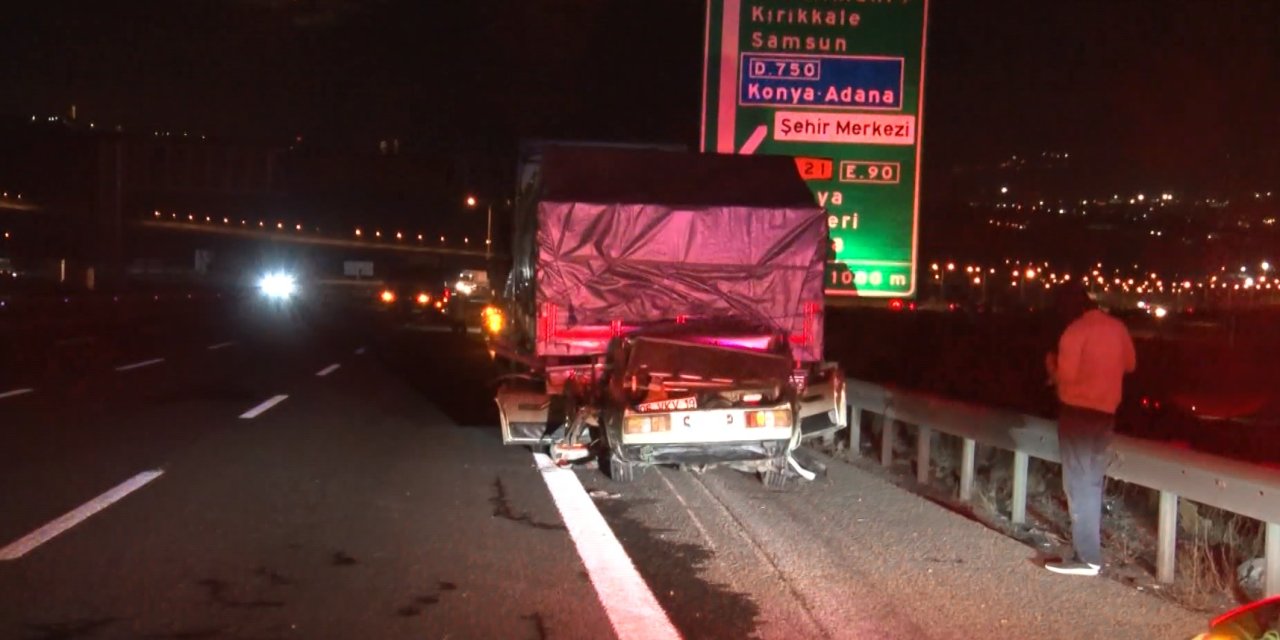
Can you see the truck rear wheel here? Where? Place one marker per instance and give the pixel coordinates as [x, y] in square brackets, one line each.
[775, 478]
[621, 471]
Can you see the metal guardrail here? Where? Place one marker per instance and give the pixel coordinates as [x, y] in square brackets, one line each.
[1176, 473]
[290, 235]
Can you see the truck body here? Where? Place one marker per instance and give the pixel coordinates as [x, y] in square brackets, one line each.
[669, 310]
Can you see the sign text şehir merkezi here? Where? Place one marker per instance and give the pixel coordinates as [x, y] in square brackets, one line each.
[838, 84]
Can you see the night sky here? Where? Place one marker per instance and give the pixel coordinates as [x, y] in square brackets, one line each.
[1172, 92]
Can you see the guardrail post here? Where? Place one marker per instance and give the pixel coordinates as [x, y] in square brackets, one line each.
[1167, 537]
[855, 430]
[966, 469]
[1019, 506]
[1273, 559]
[886, 440]
[923, 440]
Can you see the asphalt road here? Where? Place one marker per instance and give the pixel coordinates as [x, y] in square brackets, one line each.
[376, 501]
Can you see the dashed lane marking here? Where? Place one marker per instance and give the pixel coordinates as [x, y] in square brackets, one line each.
[220, 345]
[139, 365]
[72, 518]
[260, 409]
[327, 370]
[632, 609]
[16, 392]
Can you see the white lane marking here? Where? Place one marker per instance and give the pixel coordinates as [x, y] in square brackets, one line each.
[220, 345]
[258, 410]
[327, 370]
[632, 609]
[696, 522]
[139, 365]
[359, 351]
[20, 547]
[16, 392]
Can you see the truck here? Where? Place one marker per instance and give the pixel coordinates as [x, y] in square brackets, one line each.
[666, 308]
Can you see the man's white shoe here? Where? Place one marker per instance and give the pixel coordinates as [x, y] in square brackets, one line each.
[1073, 568]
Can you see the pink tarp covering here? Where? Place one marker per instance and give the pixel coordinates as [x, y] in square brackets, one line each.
[612, 239]
[645, 263]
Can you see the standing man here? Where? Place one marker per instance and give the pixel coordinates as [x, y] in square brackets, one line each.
[1094, 354]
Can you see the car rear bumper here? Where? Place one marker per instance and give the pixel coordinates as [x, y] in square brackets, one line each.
[705, 453]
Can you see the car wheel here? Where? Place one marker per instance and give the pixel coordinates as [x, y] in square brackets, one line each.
[620, 471]
[775, 479]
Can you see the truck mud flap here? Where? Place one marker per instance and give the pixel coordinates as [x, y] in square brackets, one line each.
[822, 407]
[528, 417]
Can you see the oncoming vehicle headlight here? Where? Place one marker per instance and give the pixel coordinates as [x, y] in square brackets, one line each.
[642, 423]
[278, 285]
[492, 319]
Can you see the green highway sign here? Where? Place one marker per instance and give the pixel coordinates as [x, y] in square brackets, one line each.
[838, 84]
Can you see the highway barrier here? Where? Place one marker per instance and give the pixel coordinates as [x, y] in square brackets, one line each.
[1176, 473]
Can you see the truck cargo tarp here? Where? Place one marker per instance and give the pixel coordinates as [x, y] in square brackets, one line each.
[634, 237]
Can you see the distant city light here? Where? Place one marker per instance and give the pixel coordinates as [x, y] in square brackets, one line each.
[359, 232]
[1266, 266]
[1004, 189]
[1031, 274]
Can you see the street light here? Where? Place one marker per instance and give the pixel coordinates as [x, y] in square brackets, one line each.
[488, 231]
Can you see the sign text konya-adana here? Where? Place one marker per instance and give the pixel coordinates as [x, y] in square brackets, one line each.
[838, 84]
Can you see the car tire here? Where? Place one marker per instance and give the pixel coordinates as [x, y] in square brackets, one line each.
[621, 472]
[775, 479]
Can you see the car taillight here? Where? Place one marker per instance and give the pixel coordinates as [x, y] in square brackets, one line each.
[423, 299]
[388, 296]
[655, 423]
[769, 418]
